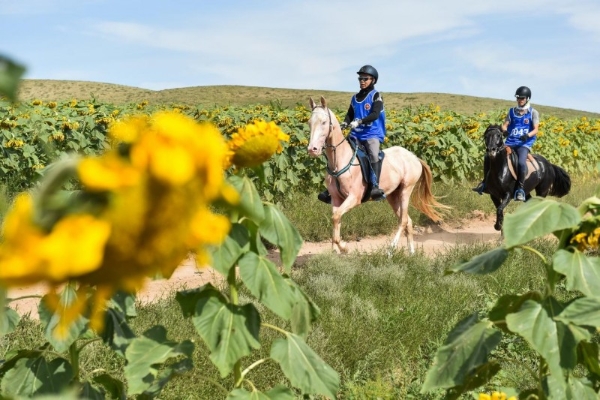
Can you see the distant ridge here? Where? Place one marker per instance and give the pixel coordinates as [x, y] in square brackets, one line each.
[206, 96]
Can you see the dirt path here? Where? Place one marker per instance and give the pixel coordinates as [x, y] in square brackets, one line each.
[431, 240]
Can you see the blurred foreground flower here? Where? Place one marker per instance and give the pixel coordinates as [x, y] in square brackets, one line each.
[144, 206]
[254, 144]
[496, 396]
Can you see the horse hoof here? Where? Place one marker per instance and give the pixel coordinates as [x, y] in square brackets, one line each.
[498, 227]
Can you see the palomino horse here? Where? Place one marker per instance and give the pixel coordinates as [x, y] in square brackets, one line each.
[401, 172]
[543, 176]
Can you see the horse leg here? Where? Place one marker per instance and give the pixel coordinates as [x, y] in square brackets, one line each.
[338, 210]
[399, 200]
[500, 206]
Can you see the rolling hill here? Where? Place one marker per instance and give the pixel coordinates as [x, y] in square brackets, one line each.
[206, 96]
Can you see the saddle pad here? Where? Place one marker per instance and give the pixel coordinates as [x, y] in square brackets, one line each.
[513, 161]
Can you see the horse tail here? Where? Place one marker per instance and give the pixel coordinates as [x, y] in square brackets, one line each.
[423, 198]
[562, 182]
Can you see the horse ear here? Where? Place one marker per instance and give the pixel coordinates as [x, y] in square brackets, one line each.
[311, 103]
[323, 102]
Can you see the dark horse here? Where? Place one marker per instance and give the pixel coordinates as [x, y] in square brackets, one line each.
[543, 176]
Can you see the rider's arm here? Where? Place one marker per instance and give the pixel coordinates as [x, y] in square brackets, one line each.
[535, 116]
[349, 115]
[505, 124]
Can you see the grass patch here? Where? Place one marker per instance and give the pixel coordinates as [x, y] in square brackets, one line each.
[382, 320]
[312, 218]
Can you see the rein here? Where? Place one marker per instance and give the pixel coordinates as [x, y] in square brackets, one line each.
[334, 147]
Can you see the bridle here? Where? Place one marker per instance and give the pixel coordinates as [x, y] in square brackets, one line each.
[497, 139]
[328, 145]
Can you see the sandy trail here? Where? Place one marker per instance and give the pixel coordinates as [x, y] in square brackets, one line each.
[431, 240]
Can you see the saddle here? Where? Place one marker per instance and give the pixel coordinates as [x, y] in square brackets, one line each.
[513, 161]
[365, 165]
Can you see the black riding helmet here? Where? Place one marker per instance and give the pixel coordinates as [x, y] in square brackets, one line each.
[369, 70]
[523, 91]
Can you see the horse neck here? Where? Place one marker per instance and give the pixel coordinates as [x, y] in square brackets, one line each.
[338, 149]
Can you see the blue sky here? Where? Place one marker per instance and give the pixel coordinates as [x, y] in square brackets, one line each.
[467, 47]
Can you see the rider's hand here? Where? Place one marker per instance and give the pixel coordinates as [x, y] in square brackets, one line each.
[343, 125]
[524, 137]
[355, 123]
[505, 133]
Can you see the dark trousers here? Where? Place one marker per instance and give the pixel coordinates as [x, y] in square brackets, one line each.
[522, 153]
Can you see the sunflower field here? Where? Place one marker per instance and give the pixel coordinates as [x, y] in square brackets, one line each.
[36, 134]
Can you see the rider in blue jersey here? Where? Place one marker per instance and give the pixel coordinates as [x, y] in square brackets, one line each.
[520, 127]
[366, 118]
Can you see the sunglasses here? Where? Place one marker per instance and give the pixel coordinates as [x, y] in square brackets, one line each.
[362, 79]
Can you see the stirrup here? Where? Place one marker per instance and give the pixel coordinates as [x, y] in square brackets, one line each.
[325, 197]
[520, 195]
[480, 188]
[377, 194]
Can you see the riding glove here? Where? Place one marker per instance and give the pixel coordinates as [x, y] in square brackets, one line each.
[355, 123]
[524, 137]
[343, 125]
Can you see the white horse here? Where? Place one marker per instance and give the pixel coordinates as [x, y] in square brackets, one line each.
[401, 172]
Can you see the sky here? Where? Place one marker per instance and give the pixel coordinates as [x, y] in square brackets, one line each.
[465, 47]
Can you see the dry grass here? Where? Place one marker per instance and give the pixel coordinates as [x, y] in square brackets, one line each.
[206, 96]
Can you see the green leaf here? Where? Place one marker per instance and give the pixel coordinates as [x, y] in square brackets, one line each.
[51, 320]
[125, 303]
[588, 354]
[277, 229]
[166, 374]
[509, 304]
[537, 218]
[9, 320]
[230, 331]
[250, 203]
[303, 367]
[582, 272]
[90, 392]
[10, 75]
[35, 376]
[533, 323]
[113, 386]
[580, 389]
[304, 313]
[225, 256]
[467, 347]
[266, 283]
[482, 264]
[256, 243]
[482, 375]
[117, 333]
[143, 353]
[584, 311]
[277, 393]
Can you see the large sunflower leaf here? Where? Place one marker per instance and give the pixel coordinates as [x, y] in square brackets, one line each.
[467, 347]
[537, 218]
[304, 368]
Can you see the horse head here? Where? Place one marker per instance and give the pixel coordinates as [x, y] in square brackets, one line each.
[321, 126]
[494, 142]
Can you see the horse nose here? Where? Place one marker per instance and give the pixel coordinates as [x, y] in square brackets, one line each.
[313, 150]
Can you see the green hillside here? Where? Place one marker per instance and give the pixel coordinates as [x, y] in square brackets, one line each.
[58, 90]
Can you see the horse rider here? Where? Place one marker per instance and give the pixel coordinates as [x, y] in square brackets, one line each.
[366, 118]
[520, 128]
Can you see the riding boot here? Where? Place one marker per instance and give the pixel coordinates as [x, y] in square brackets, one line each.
[520, 192]
[482, 187]
[376, 193]
[325, 197]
